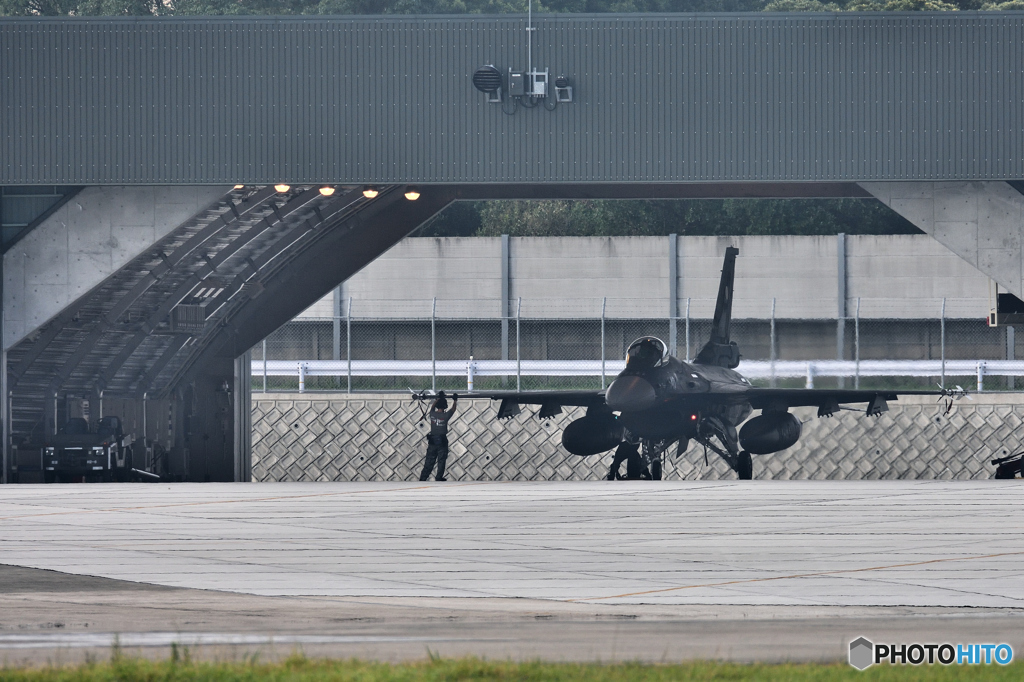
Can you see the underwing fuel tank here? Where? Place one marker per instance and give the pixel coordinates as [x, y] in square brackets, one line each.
[592, 434]
[770, 433]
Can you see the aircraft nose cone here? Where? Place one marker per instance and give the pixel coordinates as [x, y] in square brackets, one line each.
[630, 394]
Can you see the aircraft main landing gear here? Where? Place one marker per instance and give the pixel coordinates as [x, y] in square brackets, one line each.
[745, 468]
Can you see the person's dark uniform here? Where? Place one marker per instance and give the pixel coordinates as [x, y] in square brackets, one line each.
[635, 468]
[437, 439]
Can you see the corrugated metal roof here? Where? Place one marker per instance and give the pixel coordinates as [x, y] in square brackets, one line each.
[658, 98]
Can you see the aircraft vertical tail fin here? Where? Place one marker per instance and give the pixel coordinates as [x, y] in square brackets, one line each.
[720, 350]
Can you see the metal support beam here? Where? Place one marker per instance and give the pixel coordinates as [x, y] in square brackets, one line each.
[314, 267]
[242, 418]
[208, 268]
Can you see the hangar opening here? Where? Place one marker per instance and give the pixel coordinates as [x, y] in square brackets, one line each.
[164, 250]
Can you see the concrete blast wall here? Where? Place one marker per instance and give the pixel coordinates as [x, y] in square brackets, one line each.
[337, 437]
[904, 276]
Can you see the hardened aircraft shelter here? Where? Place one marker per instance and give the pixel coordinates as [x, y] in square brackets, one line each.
[173, 190]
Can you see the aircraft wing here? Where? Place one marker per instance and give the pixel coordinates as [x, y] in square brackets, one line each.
[551, 402]
[827, 400]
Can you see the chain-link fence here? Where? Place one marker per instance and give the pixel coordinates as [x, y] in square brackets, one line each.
[383, 354]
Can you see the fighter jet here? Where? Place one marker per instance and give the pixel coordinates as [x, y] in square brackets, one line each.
[658, 401]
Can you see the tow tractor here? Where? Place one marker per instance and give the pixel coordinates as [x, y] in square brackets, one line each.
[80, 452]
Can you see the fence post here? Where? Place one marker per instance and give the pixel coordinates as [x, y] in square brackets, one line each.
[810, 376]
[302, 377]
[772, 354]
[264, 365]
[504, 301]
[469, 374]
[673, 293]
[604, 303]
[942, 342]
[841, 303]
[856, 345]
[981, 377]
[687, 329]
[433, 344]
[336, 326]
[1011, 354]
[519, 355]
[348, 342]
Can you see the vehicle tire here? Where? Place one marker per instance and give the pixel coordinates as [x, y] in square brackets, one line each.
[745, 470]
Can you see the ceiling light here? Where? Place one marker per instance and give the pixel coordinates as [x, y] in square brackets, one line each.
[412, 194]
[282, 188]
[239, 186]
[370, 192]
[327, 190]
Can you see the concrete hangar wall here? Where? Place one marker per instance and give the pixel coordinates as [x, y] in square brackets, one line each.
[922, 110]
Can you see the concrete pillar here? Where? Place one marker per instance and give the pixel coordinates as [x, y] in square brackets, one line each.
[982, 222]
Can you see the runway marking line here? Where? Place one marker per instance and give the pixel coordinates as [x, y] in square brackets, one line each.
[797, 575]
[254, 499]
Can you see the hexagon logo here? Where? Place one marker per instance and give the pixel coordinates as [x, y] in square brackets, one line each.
[862, 653]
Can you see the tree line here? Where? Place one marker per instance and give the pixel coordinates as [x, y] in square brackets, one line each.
[336, 7]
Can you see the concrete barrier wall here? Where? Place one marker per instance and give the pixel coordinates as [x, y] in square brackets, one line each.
[362, 437]
[897, 276]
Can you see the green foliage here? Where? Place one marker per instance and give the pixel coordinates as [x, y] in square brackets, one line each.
[423, 6]
[297, 668]
[83, 8]
[292, 7]
[239, 7]
[901, 6]
[684, 216]
[801, 6]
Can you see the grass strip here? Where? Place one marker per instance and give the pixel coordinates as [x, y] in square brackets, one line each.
[298, 668]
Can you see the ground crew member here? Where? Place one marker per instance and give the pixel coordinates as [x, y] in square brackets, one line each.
[437, 439]
[635, 469]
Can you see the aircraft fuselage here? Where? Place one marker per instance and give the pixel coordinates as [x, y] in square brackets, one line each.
[672, 400]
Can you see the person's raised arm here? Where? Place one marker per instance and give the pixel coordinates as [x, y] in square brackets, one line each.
[455, 401]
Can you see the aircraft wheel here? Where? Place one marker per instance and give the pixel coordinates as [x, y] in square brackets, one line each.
[746, 466]
[656, 469]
